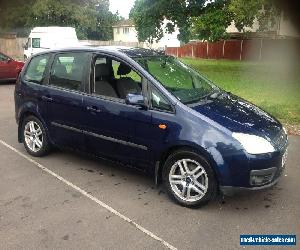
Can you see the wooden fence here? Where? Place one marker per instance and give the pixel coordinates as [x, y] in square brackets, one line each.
[13, 47]
[256, 49]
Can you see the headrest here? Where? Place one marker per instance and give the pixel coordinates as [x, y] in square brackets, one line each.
[60, 70]
[123, 69]
[101, 70]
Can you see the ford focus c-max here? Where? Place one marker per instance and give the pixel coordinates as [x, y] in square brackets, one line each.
[151, 111]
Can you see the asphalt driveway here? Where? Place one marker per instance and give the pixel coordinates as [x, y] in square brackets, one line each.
[69, 201]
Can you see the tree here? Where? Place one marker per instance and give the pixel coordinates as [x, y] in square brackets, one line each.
[13, 14]
[104, 19]
[91, 18]
[212, 24]
[245, 12]
[149, 15]
[199, 19]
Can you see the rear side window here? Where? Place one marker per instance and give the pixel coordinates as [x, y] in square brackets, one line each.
[68, 70]
[35, 71]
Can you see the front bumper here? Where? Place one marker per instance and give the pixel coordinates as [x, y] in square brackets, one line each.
[260, 178]
[229, 190]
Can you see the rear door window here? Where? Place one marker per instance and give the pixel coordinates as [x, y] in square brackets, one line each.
[36, 69]
[68, 70]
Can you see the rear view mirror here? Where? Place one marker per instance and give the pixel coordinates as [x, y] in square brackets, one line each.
[136, 100]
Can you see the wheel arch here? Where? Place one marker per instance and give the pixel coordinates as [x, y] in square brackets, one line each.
[200, 150]
[25, 114]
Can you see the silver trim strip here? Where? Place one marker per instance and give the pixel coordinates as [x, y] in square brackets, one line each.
[108, 138]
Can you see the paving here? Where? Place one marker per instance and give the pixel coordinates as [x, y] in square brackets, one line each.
[77, 202]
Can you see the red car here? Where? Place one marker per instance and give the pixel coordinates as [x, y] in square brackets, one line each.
[9, 68]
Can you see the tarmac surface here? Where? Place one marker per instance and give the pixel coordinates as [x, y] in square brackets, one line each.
[71, 201]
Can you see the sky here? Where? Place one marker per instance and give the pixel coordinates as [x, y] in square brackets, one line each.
[122, 6]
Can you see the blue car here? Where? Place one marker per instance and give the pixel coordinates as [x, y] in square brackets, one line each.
[150, 111]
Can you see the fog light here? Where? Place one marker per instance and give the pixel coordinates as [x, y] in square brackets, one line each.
[261, 177]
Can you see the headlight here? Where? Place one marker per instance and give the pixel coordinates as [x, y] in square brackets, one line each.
[254, 144]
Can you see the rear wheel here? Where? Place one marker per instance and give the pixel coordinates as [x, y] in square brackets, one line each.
[189, 178]
[34, 137]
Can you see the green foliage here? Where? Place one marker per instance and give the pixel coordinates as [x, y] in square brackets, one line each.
[269, 16]
[52, 12]
[148, 16]
[245, 12]
[147, 22]
[13, 13]
[212, 24]
[199, 19]
[91, 18]
[102, 30]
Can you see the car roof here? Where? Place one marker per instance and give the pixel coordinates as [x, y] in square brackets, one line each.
[130, 52]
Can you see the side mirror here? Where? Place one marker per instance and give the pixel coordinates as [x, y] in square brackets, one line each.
[135, 100]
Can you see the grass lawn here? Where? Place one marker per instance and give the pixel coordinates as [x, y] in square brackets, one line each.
[273, 86]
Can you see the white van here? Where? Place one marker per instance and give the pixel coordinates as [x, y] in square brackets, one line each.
[43, 38]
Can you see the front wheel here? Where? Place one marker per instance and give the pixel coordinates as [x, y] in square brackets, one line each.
[34, 137]
[189, 178]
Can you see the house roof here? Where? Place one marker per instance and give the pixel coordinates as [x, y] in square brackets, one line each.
[124, 23]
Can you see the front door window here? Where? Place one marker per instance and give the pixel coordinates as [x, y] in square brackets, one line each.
[115, 79]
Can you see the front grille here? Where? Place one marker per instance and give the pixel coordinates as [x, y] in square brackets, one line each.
[280, 140]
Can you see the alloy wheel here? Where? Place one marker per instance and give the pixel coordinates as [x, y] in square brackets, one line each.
[188, 180]
[33, 136]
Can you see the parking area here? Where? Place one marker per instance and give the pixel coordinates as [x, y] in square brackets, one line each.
[66, 200]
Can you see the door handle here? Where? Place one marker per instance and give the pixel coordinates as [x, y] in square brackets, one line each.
[47, 98]
[93, 109]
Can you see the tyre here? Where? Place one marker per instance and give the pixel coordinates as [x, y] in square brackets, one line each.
[189, 179]
[34, 137]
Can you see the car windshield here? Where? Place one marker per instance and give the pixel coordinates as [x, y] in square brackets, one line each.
[183, 82]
